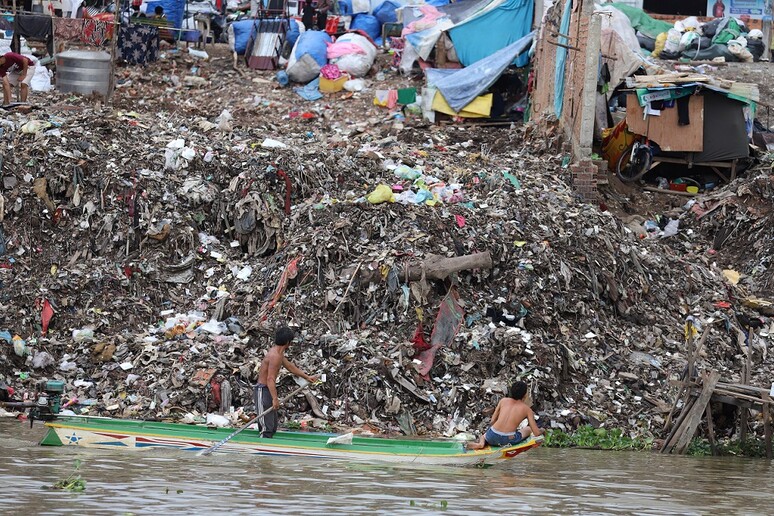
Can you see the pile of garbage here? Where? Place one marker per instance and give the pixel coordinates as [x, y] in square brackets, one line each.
[148, 255]
[724, 39]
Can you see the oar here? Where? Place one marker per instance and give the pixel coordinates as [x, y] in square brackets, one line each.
[227, 439]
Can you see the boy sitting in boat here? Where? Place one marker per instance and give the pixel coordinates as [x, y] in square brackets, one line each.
[265, 392]
[510, 412]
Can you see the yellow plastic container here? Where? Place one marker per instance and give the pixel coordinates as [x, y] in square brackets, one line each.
[329, 86]
[692, 189]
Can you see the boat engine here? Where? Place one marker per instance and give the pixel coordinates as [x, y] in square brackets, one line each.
[49, 401]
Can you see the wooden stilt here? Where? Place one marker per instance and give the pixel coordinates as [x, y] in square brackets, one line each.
[744, 413]
[669, 442]
[711, 430]
[767, 424]
[688, 428]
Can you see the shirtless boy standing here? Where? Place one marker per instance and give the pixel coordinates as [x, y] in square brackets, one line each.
[510, 412]
[265, 392]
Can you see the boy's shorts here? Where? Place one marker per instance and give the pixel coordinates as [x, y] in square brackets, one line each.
[494, 438]
[13, 77]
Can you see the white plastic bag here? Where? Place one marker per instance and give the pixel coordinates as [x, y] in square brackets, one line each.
[672, 44]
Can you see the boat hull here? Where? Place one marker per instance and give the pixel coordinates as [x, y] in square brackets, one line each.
[137, 435]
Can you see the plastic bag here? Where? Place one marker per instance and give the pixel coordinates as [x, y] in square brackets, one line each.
[659, 46]
[672, 43]
[83, 335]
[382, 193]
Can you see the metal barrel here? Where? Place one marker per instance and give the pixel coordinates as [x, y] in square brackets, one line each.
[82, 71]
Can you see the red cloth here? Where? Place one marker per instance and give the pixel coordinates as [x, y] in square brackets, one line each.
[420, 344]
[45, 316]
[13, 62]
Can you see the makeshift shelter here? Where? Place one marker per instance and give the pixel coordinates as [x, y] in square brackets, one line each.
[694, 123]
[460, 88]
[497, 25]
[476, 28]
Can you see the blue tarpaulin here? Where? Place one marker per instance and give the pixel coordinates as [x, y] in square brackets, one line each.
[561, 58]
[486, 33]
[173, 10]
[460, 87]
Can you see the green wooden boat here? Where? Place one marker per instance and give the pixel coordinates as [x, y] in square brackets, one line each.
[98, 432]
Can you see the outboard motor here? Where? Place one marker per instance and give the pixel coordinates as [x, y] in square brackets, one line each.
[49, 401]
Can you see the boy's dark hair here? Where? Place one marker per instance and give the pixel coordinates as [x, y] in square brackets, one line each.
[283, 336]
[159, 10]
[518, 390]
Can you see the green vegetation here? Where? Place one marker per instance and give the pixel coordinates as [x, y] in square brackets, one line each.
[700, 447]
[442, 505]
[74, 482]
[596, 438]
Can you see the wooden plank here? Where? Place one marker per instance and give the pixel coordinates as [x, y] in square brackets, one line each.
[691, 423]
[730, 400]
[755, 402]
[669, 442]
[665, 130]
[750, 388]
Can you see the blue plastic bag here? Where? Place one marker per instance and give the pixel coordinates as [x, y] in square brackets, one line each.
[385, 12]
[314, 43]
[293, 32]
[368, 24]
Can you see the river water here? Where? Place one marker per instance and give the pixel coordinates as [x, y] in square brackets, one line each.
[549, 481]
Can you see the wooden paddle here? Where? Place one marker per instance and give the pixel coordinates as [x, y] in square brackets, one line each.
[234, 434]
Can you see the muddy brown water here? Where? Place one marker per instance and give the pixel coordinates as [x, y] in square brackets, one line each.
[549, 481]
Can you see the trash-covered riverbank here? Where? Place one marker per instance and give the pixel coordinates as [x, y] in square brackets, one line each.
[151, 247]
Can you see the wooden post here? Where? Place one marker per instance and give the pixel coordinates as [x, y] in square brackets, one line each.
[744, 413]
[766, 406]
[711, 429]
[113, 46]
[691, 357]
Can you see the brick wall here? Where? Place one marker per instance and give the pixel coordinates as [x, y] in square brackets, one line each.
[543, 93]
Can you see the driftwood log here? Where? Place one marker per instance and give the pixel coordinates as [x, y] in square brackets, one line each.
[435, 268]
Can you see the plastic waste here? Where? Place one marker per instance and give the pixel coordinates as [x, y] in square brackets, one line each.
[214, 327]
[224, 121]
[354, 85]
[671, 228]
[20, 346]
[217, 420]
[268, 143]
[381, 193]
[83, 335]
[282, 78]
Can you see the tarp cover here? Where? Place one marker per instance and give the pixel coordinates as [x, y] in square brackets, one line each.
[174, 10]
[461, 87]
[725, 131]
[496, 27]
[641, 21]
